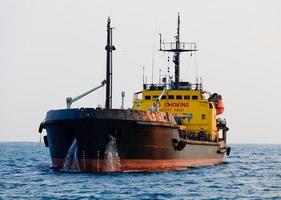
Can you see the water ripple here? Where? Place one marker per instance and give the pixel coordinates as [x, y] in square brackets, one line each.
[251, 172]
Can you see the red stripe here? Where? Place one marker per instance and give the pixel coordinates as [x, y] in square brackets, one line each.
[141, 164]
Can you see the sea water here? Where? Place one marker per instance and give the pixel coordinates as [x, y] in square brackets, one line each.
[250, 172]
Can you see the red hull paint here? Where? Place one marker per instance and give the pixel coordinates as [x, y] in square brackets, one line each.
[133, 165]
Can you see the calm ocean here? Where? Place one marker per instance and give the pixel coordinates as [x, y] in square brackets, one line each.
[250, 172]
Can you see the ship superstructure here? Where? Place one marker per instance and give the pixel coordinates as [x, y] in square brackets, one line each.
[194, 109]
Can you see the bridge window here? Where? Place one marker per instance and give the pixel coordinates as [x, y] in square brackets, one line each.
[164, 97]
[203, 116]
[171, 97]
[178, 97]
[155, 97]
[186, 97]
[195, 97]
[147, 97]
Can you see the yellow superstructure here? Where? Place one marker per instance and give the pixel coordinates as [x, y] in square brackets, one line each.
[189, 108]
[195, 114]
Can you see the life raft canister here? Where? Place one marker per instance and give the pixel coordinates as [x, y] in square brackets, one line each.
[219, 105]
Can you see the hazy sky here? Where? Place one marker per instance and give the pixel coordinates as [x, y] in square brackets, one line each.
[50, 50]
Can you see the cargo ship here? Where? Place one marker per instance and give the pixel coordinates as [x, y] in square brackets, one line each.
[172, 125]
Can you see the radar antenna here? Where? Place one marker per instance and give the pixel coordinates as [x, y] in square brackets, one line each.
[177, 47]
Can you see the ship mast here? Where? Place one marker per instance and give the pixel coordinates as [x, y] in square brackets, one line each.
[177, 47]
[176, 59]
[109, 48]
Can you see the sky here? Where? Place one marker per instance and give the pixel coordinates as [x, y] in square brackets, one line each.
[50, 50]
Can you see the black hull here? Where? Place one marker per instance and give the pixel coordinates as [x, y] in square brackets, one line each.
[144, 141]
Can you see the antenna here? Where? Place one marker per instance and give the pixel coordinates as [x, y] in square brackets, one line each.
[153, 53]
[160, 36]
[122, 95]
[160, 76]
[152, 63]
[177, 47]
[143, 74]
